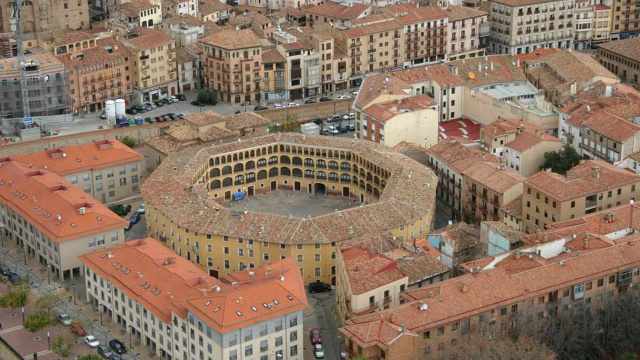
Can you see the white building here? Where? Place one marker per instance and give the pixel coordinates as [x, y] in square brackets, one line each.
[180, 312]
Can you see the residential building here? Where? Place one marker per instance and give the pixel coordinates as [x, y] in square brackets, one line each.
[150, 292]
[303, 68]
[274, 82]
[233, 65]
[526, 153]
[51, 220]
[344, 173]
[340, 69]
[213, 10]
[562, 74]
[449, 158]
[487, 189]
[622, 58]
[457, 243]
[107, 170]
[187, 71]
[583, 27]
[412, 119]
[324, 44]
[468, 31]
[495, 135]
[496, 238]
[45, 76]
[601, 23]
[154, 66]
[140, 13]
[625, 18]
[331, 14]
[512, 213]
[39, 16]
[181, 7]
[521, 291]
[588, 187]
[522, 26]
[96, 73]
[373, 47]
[184, 29]
[424, 33]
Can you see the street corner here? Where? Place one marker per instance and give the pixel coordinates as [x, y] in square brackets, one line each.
[309, 310]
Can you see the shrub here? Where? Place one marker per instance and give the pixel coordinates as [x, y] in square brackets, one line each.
[37, 322]
[208, 97]
[61, 348]
[129, 141]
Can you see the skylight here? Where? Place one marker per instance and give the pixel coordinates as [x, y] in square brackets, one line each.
[254, 308]
[289, 297]
[276, 302]
[207, 303]
[239, 313]
[216, 309]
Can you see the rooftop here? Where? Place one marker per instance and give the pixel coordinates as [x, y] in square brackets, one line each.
[166, 283]
[460, 235]
[459, 157]
[477, 72]
[338, 11]
[367, 271]
[73, 159]
[145, 38]
[387, 110]
[106, 51]
[58, 209]
[375, 28]
[494, 177]
[380, 85]
[408, 13]
[439, 73]
[232, 39]
[629, 48]
[585, 179]
[527, 140]
[135, 7]
[459, 12]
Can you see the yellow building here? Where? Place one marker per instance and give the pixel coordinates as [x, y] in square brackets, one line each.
[194, 206]
[601, 23]
[274, 66]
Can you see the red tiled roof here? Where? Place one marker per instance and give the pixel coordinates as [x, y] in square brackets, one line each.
[526, 140]
[232, 39]
[367, 272]
[459, 157]
[489, 175]
[387, 110]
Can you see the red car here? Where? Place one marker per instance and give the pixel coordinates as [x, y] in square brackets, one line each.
[315, 335]
[77, 329]
[159, 118]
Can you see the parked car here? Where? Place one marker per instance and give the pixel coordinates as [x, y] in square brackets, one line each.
[343, 354]
[333, 130]
[167, 118]
[279, 106]
[117, 346]
[65, 319]
[318, 351]
[149, 120]
[310, 101]
[316, 336]
[135, 217]
[260, 108]
[334, 118]
[150, 106]
[181, 97]
[323, 99]
[77, 329]
[103, 115]
[343, 129]
[292, 104]
[136, 109]
[197, 103]
[351, 127]
[158, 103]
[319, 287]
[6, 271]
[165, 101]
[104, 351]
[352, 116]
[14, 278]
[172, 99]
[91, 341]
[141, 208]
[159, 118]
[341, 97]
[317, 121]
[354, 93]
[173, 116]
[181, 116]
[121, 125]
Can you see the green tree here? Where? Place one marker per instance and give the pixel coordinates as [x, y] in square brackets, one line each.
[46, 303]
[128, 140]
[561, 161]
[61, 348]
[15, 297]
[208, 97]
[37, 322]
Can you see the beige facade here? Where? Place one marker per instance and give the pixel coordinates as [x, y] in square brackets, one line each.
[141, 13]
[583, 25]
[601, 23]
[519, 27]
[233, 65]
[40, 16]
[622, 58]
[526, 154]
[625, 16]
[466, 27]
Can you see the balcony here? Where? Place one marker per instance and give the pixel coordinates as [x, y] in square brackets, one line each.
[371, 51]
[144, 57]
[171, 50]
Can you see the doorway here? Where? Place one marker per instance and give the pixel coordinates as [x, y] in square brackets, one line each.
[227, 195]
[296, 185]
[362, 198]
[309, 188]
[319, 189]
[250, 191]
[345, 191]
[274, 185]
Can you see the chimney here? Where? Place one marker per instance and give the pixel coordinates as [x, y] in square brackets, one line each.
[491, 65]
[518, 255]
[586, 240]
[392, 318]
[596, 172]
[518, 62]
[463, 287]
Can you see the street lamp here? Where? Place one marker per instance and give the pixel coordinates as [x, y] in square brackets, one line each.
[22, 316]
[49, 272]
[49, 340]
[74, 293]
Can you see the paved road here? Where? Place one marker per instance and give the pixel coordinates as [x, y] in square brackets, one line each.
[323, 318]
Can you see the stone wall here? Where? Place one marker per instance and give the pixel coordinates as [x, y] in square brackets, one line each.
[306, 112]
[7, 352]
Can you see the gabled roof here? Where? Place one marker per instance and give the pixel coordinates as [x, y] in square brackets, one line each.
[459, 157]
[629, 48]
[367, 272]
[233, 39]
[460, 236]
[338, 11]
[527, 140]
[388, 110]
[476, 72]
[496, 178]
[375, 85]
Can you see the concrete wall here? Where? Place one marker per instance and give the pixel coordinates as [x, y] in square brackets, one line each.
[306, 112]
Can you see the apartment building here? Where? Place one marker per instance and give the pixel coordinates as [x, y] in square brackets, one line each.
[53, 221]
[487, 189]
[40, 15]
[184, 29]
[495, 135]
[213, 10]
[468, 31]
[412, 119]
[182, 7]
[625, 19]
[588, 187]
[107, 170]
[525, 154]
[373, 47]
[45, 76]
[233, 65]
[563, 74]
[97, 72]
[449, 158]
[601, 23]
[140, 13]
[457, 243]
[303, 68]
[497, 237]
[521, 291]
[324, 44]
[622, 58]
[274, 67]
[176, 309]
[154, 64]
[188, 78]
[610, 134]
[583, 27]
[522, 26]
[331, 14]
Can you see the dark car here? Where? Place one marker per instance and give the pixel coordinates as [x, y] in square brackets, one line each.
[104, 351]
[136, 109]
[117, 346]
[323, 99]
[342, 129]
[121, 125]
[158, 103]
[319, 287]
[310, 101]
[14, 278]
[317, 121]
[135, 217]
[173, 116]
[181, 97]
[167, 118]
[260, 107]
[6, 271]
[315, 335]
[165, 101]
[197, 103]
[149, 120]
[334, 118]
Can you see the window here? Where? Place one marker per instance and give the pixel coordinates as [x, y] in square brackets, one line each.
[612, 279]
[426, 335]
[600, 282]
[299, 258]
[573, 204]
[293, 351]
[317, 272]
[578, 291]
[441, 330]
[317, 257]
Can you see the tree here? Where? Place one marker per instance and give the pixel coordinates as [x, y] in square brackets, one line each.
[208, 97]
[480, 348]
[561, 161]
[61, 348]
[15, 297]
[129, 141]
[46, 303]
[37, 322]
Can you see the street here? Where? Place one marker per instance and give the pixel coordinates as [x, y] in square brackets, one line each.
[322, 315]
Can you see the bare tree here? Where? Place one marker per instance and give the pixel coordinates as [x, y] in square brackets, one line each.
[480, 348]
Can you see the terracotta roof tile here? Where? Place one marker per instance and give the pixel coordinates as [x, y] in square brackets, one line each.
[527, 140]
[272, 56]
[505, 70]
[135, 7]
[437, 72]
[461, 236]
[375, 85]
[367, 272]
[629, 48]
[385, 26]
[514, 207]
[408, 14]
[338, 11]
[387, 110]
[459, 12]
[105, 51]
[233, 39]
[459, 157]
[145, 38]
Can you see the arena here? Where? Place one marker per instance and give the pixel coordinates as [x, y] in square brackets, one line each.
[249, 203]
